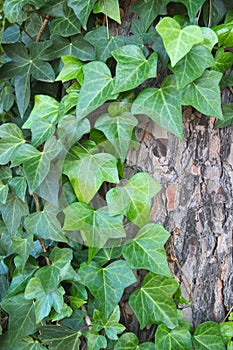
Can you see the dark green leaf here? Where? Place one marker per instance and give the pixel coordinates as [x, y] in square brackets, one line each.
[23, 247]
[153, 302]
[110, 8]
[13, 9]
[208, 336]
[22, 90]
[65, 26]
[11, 35]
[129, 341]
[42, 71]
[107, 284]
[82, 9]
[227, 116]
[178, 338]
[60, 337]
[193, 6]
[111, 325]
[11, 139]
[3, 192]
[18, 185]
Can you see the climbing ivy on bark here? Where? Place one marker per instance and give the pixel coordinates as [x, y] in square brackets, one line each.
[73, 231]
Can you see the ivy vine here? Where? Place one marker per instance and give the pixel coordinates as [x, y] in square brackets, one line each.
[75, 232]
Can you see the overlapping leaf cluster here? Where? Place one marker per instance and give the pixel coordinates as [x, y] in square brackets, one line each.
[68, 250]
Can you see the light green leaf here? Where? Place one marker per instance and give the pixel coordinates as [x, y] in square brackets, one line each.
[146, 250]
[178, 338]
[111, 9]
[111, 325]
[18, 185]
[45, 224]
[178, 42]
[107, 284]
[102, 88]
[22, 320]
[227, 116]
[82, 9]
[3, 192]
[118, 130]
[162, 105]
[12, 212]
[133, 67]
[193, 6]
[192, 65]
[95, 341]
[149, 10]
[104, 45]
[96, 225]
[11, 139]
[129, 341]
[208, 336]
[223, 60]
[204, 94]
[23, 247]
[41, 129]
[225, 34]
[60, 337]
[65, 26]
[134, 199]
[88, 173]
[73, 69]
[210, 38]
[153, 302]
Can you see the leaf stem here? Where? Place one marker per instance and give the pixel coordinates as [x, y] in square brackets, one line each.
[106, 18]
[42, 28]
[210, 14]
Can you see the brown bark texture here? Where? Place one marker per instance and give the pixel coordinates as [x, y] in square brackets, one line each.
[195, 205]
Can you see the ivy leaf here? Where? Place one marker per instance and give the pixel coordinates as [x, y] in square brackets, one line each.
[193, 6]
[132, 67]
[45, 224]
[204, 94]
[227, 116]
[104, 45]
[146, 250]
[96, 225]
[18, 185]
[192, 66]
[95, 341]
[11, 139]
[82, 9]
[104, 255]
[12, 212]
[129, 341]
[149, 10]
[22, 320]
[110, 325]
[134, 199]
[208, 336]
[107, 284]
[88, 173]
[118, 130]
[73, 69]
[23, 247]
[178, 338]
[178, 42]
[153, 302]
[65, 26]
[225, 34]
[4, 189]
[27, 343]
[210, 38]
[101, 91]
[162, 105]
[223, 60]
[112, 9]
[13, 9]
[60, 337]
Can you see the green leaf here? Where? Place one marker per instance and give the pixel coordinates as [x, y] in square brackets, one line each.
[42, 71]
[104, 45]
[22, 320]
[96, 225]
[82, 9]
[178, 42]
[132, 67]
[102, 88]
[193, 6]
[111, 9]
[162, 105]
[129, 341]
[18, 185]
[192, 66]
[12, 212]
[11, 139]
[45, 224]
[87, 174]
[104, 255]
[149, 10]
[107, 284]
[73, 69]
[65, 26]
[208, 336]
[110, 325]
[146, 250]
[60, 337]
[95, 341]
[11, 35]
[204, 94]
[178, 338]
[153, 302]
[27, 343]
[225, 34]
[227, 116]
[118, 130]
[22, 90]
[13, 10]
[23, 247]
[4, 189]
[223, 60]
[134, 199]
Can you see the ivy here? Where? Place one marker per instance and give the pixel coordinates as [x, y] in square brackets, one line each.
[78, 251]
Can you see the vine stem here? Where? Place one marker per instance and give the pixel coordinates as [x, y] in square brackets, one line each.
[42, 242]
[42, 28]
